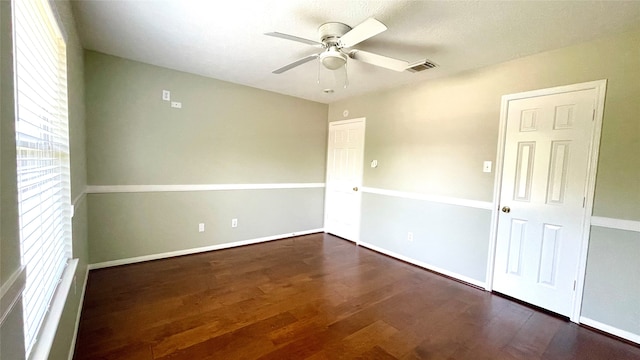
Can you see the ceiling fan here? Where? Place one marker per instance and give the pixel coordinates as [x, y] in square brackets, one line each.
[337, 40]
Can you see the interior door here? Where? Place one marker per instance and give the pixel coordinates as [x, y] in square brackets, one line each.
[542, 198]
[344, 178]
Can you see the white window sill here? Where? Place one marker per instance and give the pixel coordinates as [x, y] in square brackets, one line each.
[47, 333]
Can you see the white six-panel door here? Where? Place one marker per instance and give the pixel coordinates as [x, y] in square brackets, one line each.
[543, 197]
[344, 178]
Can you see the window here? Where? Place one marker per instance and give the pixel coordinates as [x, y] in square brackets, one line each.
[42, 141]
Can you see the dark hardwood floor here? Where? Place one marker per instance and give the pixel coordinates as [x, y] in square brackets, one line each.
[314, 297]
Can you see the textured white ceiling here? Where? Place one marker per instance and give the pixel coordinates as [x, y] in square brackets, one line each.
[224, 39]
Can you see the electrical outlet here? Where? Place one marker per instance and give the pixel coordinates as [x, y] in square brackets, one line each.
[234, 223]
[410, 236]
[166, 95]
[201, 227]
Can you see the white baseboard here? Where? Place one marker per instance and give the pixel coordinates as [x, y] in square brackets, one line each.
[72, 348]
[456, 276]
[138, 259]
[610, 329]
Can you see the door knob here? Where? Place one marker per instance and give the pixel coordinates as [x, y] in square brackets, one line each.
[355, 188]
[506, 209]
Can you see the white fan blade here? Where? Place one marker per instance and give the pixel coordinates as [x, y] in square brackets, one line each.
[294, 38]
[379, 60]
[369, 28]
[296, 63]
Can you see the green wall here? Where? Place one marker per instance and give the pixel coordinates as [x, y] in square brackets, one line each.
[125, 225]
[440, 131]
[432, 138]
[223, 134]
[446, 237]
[612, 294]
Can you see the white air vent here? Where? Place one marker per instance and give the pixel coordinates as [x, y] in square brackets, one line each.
[421, 66]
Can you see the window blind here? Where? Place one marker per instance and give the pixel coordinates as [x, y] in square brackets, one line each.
[42, 141]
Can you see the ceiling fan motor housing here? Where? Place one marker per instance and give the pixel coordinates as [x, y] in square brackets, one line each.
[331, 32]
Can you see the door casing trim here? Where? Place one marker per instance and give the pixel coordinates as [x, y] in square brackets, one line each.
[600, 87]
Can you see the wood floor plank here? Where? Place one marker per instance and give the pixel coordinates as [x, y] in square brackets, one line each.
[246, 342]
[364, 340]
[534, 336]
[314, 297]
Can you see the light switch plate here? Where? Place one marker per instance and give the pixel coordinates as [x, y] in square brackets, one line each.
[166, 95]
[486, 167]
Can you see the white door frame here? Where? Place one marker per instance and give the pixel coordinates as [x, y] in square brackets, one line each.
[600, 87]
[364, 133]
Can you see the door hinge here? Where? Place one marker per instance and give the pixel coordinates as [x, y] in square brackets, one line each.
[593, 115]
[574, 285]
[584, 201]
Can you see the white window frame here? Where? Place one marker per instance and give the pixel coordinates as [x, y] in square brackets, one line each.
[43, 170]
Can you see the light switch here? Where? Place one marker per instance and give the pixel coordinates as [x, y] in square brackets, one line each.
[166, 95]
[486, 167]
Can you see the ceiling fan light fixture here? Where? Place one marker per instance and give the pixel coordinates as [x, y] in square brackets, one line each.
[333, 58]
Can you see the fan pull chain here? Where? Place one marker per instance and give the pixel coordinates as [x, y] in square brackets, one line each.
[346, 75]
